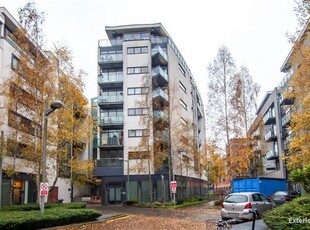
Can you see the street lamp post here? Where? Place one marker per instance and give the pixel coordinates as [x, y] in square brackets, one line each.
[56, 104]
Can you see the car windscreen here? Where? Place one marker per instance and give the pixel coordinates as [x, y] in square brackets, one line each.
[281, 193]
[236, 199]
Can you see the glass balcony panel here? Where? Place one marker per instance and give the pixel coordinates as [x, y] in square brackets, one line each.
[110, 42]
[109, 162]
[111, 99]
[161, 54]
[112, 120]
[158, 92]
[159, 40]
[159, 71]
[160, 114]
[108, 58]
[272, 154]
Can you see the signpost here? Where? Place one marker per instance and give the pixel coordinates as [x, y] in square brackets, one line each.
[173, 186]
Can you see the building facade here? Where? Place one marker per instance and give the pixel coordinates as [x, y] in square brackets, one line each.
[23, 124]
[271, 131]
[150, 117]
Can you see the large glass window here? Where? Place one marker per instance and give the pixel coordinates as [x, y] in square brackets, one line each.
[112, 75]
[111, 116]
[112, 137]
[111, 96]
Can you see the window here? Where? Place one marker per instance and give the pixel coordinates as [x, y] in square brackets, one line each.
[138, 133]
[183, 121]
[137, 70]
[112, 137]
[181, 69]
[182, 103]
[14, 62]
[137, 90]
[138, 111]
[182, 86]
[136, 36]
[137, 50]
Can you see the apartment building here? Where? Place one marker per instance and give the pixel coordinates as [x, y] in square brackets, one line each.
[271, 131]
[21, 128]
[267, 138]
[150, 117]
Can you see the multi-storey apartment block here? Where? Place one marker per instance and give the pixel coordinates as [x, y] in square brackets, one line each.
[271, 130]
[266, 133]
[22, 129]
[150, 117]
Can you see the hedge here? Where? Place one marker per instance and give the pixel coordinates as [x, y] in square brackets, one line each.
[54, 215]
[289, 215]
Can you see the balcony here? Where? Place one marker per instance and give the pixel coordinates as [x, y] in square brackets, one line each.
[160, 77]
[111, 142]
[111, 122]
[159, 57]
[284, 100]
[111, 59]
[269, 118]
[286, 118]
[271, 155]
[110, 42]
[257, 148]
[109, 81]
[113, 101]
[160, 114]
[159, 96]
[160, 120]
[159, 40]
[161, 136]
[256, 133]
[109, 162]
[271, 135]
[109, 167]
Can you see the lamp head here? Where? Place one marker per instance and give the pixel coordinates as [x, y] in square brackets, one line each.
[56, 104]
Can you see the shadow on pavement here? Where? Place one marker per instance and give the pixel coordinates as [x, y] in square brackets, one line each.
[259, 225]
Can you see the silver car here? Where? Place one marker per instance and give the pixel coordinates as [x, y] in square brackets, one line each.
[237, 205]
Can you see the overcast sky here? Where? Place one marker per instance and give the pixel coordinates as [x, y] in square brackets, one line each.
[253, 30]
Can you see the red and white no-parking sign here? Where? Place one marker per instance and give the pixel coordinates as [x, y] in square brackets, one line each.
[43, 189]
[173, 186]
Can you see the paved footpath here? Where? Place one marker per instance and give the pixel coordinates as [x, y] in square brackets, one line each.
[135, 218]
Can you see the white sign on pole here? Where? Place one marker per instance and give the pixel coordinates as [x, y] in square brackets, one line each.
[43, 189]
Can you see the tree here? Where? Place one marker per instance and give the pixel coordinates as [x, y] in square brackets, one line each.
[302, 176]
[215, 165]
[221, 71]
[302, 12]
[73, 122]
[300, 88]
[31, 84]
[243, 101]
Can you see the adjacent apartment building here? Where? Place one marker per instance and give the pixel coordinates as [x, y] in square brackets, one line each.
[271, 131]
[21, 129]
[150, 118]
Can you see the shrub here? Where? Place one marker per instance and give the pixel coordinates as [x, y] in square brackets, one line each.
[55, 215]
[282, 216]
[179, 201]
[130, 202]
